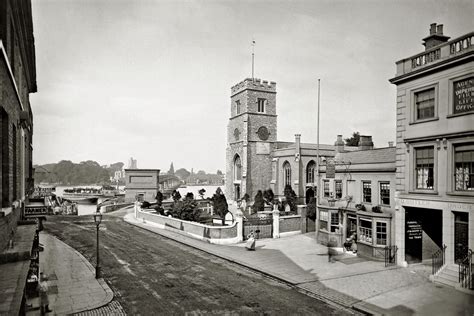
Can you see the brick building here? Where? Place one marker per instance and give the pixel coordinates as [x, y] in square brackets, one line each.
[17, 81]
[435, 149]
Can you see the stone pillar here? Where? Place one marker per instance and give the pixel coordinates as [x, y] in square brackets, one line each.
[238, 216]
[276, 221]
[302, 210]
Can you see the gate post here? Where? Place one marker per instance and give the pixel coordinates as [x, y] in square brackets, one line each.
[302, 210]
[276, 222]
[240, 225]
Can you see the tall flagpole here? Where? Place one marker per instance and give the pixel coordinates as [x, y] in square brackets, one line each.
[318, 189]
[253, 58]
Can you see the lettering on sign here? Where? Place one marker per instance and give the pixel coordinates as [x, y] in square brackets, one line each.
[463, 95]
[330, 169]
[414, 230]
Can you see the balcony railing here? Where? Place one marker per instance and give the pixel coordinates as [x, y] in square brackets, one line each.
[455, 47]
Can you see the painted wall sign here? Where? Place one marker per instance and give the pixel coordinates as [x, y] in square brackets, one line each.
[413, 230]
[463, 95]
[330, 169]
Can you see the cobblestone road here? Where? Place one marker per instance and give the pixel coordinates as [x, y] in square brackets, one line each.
[150, 274]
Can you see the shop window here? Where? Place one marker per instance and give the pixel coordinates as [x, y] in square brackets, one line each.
[424, 160]
[367, 191]
[338, 189]
[261, 104]
[326, 188]
[425, 104]
[365, 230]
[335, 222]
[287, 173]
[323, 219]
[385, 193]
[381, 233]
[310, 172]
[464, 167]
[237, 107]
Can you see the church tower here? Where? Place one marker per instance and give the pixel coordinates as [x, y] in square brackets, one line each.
[251, 138]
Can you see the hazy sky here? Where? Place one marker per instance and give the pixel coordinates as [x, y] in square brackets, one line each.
[151, 79]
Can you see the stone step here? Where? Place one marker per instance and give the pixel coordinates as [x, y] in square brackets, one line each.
[453, 273]
[446, 281]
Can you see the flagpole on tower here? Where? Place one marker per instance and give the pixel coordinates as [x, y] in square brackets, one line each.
[253, 58]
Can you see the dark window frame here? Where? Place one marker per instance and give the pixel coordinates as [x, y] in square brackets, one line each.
[367, 191]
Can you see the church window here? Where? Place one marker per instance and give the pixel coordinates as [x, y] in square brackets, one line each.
[237, 169]
[310, 172]
[237, 107]
[287, 173]
[261, 105]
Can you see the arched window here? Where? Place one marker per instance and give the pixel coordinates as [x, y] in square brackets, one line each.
[310, 171]
[287, 173]
[237, 168]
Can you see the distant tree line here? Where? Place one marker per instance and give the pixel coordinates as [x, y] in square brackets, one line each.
[66, 172]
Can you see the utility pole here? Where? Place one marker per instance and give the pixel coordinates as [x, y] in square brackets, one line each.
[253, 59]
[317, 146]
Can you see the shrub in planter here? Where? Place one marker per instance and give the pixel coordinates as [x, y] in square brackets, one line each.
[290, 197]
[360, 207]
[219, 203]
[259, 203]
[377, 209]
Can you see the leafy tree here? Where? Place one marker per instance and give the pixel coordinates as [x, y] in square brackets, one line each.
[219, 203]
[182, 173]
[201, 173]
[354, 140]
[219, 173]
[259, 203]
[290, 197]
[159, 203]
[176, 195]
[201, 193]
[268, 197]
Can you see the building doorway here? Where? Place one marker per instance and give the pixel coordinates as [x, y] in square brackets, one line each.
[310, 193]
[461, 231]
[423, 233]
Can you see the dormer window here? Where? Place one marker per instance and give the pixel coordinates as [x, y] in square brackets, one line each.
[261, 104]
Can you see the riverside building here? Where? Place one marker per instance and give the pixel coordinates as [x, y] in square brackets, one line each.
[435, 149]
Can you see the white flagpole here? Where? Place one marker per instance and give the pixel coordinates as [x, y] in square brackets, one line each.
[318, 189]
[253, 58]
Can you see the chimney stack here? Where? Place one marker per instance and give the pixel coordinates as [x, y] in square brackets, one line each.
[365, 143]
[390, 144]
[339, 144]
[436, 36]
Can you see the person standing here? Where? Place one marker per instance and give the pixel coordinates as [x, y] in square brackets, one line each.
[43, 293]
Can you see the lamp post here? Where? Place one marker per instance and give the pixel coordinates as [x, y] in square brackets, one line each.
[97, 220]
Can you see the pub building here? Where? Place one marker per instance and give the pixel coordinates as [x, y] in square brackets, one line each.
[357, 196]
[435, 150]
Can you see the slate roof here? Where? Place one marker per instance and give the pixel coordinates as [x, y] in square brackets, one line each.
[376, 155]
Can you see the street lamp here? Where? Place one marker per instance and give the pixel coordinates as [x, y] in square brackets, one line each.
[97, 220]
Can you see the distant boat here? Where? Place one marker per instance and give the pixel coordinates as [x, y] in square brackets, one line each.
[81, 199]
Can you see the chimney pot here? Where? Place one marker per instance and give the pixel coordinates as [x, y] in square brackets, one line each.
[339, 144]
[390, 144]
[439, 29]
[432, 28]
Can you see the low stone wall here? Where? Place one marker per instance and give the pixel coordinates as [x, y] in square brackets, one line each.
[290, 223]
[213, 234]
[111, 208]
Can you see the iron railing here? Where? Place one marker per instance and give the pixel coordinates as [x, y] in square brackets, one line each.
[466, 271]
[390, 255]
[438, 259]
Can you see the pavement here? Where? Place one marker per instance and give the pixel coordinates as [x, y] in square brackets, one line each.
[72, 286]
[350, 282]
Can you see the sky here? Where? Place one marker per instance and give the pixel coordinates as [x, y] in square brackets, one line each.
[151, 79]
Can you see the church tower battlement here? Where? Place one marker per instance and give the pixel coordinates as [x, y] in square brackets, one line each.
[251, 137]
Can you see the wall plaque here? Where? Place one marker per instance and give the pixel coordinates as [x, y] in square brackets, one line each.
[463, 95]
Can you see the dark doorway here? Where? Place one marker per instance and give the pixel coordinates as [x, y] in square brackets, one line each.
[236, 192]
[351, 226]
[461, 230]
[423, 233]
[310, 193]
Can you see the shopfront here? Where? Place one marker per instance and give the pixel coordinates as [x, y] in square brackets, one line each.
[373, 230]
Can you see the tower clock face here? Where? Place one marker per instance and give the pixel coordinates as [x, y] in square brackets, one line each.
[236, 134]
[263, 133]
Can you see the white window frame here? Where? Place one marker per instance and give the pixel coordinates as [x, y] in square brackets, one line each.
[413, 117]
[389, 193]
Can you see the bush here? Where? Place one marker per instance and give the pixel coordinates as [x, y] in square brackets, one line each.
[268, 196]
[186, 209]
[219, 203]
[259, 203]
[290, 197]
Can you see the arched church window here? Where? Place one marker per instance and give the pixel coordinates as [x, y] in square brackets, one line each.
[237, 168]
[287, 173]
[310, 172]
